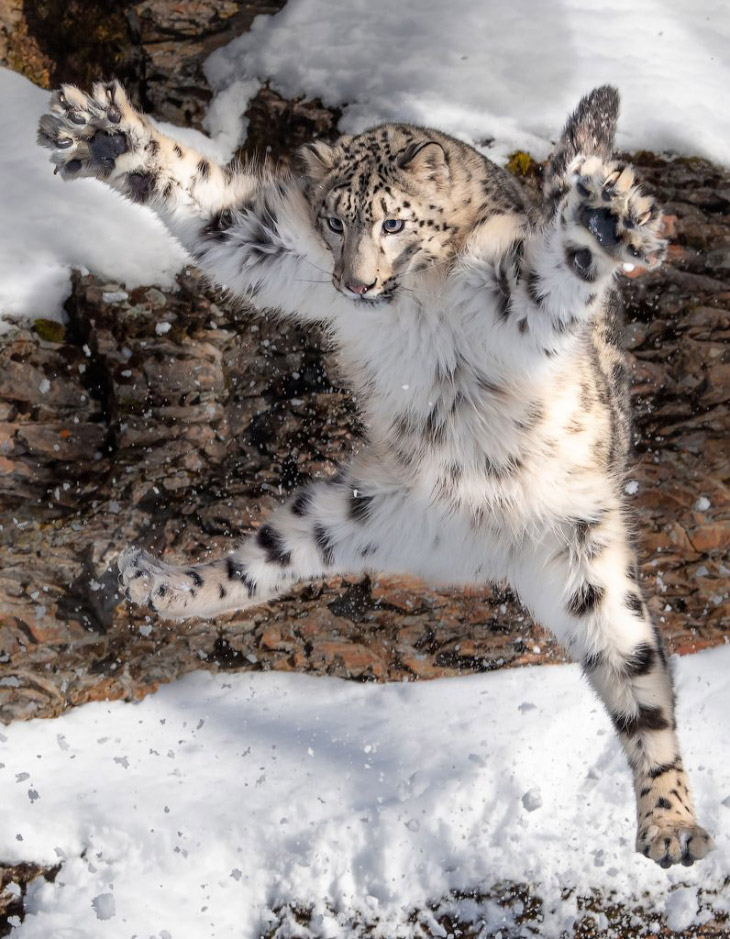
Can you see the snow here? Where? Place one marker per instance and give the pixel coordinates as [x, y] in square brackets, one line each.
[502, 76]
[49, 227]
[210, 805]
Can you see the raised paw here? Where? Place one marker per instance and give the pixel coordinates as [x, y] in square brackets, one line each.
[606, 203]
[87, 134]
[674, 844]
[162, 588]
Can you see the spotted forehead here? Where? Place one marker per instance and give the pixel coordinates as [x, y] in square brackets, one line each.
[365, 183]
[368, 198]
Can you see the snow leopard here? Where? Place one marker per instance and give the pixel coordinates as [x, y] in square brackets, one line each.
[480, 333]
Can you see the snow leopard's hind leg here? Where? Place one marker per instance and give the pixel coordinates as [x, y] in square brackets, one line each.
[583, 585]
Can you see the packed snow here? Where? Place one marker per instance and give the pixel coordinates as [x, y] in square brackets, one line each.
[209, 806]
[502, 76]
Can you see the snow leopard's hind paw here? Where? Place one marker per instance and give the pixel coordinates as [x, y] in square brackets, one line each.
[87, 134]
[162, 588]
[605, 201]
[674, 844]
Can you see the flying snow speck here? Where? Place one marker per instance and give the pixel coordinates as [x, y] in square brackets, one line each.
[532, 799]
[104, 906]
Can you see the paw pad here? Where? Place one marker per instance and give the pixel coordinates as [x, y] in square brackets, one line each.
[607, 202]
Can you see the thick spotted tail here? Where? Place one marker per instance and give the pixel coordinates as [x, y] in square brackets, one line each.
[359, 520]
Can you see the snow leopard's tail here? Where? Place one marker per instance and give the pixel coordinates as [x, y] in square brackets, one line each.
[589, 130]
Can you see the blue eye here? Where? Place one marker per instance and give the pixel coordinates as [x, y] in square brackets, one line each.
[335, 225]
[393, 225]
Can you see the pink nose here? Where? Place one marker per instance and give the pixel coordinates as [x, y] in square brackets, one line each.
[360, 289]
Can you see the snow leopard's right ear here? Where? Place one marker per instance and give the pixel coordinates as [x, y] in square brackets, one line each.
[315, 160]
[589, 130]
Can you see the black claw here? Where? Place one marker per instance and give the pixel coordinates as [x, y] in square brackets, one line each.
[602, 224]
[687, 860]
[73, 166]
[665, 862]
[114, 114]
[151, 606]
[582, 260]
[62, 143]
[127, 595]
[76, 118]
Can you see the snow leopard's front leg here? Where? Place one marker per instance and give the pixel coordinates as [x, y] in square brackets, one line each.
[101, 135]
[546, 283]
[582, 584]
[603, 224]
[250, 233]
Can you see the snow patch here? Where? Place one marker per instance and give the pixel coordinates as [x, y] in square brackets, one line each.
[502, 76]
[221, 799]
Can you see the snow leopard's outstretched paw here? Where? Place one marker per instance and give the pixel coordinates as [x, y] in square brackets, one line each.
[674, 844]
[88, 134]
[162, 588]
[607, 209]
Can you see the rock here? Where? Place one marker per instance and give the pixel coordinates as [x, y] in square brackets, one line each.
[156, 47]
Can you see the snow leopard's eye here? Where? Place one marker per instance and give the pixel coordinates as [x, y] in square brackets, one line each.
[335, 225]
[393, 225]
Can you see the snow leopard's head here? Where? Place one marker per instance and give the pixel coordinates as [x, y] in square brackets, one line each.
[388, 203]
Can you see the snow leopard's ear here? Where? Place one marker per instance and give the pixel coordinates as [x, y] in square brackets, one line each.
[315, 160]
[589, 130]
[426, 159]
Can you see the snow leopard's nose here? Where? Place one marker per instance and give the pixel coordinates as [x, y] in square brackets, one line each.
[361, 289]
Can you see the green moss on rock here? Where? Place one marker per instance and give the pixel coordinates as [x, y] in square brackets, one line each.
[521, 163]
[50, 330]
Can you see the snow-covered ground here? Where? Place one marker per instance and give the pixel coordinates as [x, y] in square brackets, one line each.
[502, 76]
[221, 798]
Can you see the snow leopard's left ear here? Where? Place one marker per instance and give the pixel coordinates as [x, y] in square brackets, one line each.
[590, 130]
[426, 159]
[316, 159]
